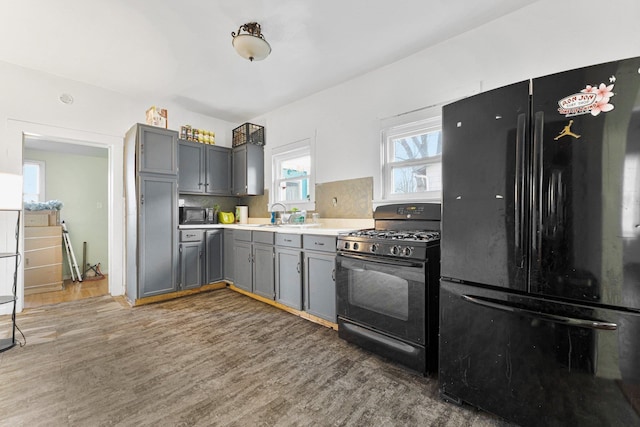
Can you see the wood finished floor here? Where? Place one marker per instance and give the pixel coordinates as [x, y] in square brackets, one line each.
[72, 291]
[213, 359]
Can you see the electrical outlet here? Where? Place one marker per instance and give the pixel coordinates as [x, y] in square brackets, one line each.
[334, 201]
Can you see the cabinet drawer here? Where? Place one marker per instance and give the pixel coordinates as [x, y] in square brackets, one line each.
[263, 237]
[191, 235]
[244, 235]
[289, 240]
[313, 242]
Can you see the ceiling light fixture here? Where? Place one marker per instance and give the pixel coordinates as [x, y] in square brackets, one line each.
[252, 45]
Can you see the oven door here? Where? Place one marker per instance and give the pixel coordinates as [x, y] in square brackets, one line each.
[385, 294]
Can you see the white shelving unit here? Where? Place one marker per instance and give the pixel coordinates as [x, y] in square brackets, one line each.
[7, 343]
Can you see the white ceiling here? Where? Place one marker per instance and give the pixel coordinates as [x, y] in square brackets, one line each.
[180, 51]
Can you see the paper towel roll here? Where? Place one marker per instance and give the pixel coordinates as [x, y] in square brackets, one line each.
[242, 214]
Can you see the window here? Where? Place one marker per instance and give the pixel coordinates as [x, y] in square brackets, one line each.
[412, 161]
[293, 180]
[33, 181]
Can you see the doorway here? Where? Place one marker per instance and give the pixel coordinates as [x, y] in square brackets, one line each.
[74, 178]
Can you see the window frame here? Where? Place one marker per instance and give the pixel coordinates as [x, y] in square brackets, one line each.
[41, 178]
[290, 151]
[403, 130]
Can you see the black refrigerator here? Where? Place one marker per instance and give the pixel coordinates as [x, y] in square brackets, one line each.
[540, 288]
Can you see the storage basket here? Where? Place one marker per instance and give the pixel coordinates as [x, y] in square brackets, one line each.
[248, 133]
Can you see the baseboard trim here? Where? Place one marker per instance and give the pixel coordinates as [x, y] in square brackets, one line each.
[178, 294]
[288, 309]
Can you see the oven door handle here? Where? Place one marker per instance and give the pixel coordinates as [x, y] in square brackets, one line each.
[391, 261]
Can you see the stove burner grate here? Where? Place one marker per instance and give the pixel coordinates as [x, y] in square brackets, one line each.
[421, 235]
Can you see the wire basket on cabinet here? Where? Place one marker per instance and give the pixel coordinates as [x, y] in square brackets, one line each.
[248, 133]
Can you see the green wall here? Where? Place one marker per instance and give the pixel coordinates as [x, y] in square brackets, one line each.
[81, 184]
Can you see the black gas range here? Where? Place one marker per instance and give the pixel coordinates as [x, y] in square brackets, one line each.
[387, 284]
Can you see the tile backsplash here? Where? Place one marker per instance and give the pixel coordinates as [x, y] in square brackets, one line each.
[350, 198]
[345, 199]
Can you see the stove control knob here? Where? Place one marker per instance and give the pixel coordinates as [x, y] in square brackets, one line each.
[346, 245]
[374, 247]
[395, 250]
[356, 246]
[406, 251]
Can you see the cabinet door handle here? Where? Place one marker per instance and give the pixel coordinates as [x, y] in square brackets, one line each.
[298, 268]
[142, 199]
[288, 240]
[333, 274]
[318, 243]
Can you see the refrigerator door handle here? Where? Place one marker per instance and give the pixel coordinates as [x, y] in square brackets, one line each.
[519, 186]
[554, 211]
[536, 183]
[564, 320]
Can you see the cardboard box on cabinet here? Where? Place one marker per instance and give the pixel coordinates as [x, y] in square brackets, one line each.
[157, 117]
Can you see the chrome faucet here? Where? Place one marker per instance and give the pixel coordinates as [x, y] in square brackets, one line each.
[284, 209]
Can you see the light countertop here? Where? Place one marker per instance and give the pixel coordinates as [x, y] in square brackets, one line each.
[329, 228]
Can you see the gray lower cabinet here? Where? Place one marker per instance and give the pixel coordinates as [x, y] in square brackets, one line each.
[253, 262]
[288, 270]
[214, 256]
[319, 276]
[191, 258]
[242, 260]
[228, 255]
[263, 275]
[248, 170]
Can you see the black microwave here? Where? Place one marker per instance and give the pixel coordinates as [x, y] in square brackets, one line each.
[190, 215]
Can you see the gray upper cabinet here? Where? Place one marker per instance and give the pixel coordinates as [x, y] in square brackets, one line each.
[157, 150]
[204, 169]
[190, 173]
[248, 170]
[217, 170]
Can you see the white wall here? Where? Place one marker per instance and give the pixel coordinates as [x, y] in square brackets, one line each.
[546, 37]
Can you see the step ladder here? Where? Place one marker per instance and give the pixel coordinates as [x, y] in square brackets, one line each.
[71, 256]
